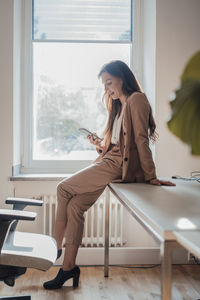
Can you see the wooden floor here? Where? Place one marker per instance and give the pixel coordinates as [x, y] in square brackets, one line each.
[122, 284]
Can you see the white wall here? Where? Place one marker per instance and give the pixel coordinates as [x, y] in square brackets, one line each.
[6, 96]
[177, 38]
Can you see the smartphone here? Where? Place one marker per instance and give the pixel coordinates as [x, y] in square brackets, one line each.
[87, 132]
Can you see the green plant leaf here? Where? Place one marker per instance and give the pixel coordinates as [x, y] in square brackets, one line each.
[192, 68]
[185, 119]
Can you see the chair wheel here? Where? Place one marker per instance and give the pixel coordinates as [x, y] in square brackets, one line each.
[10, 281]
[8, 274]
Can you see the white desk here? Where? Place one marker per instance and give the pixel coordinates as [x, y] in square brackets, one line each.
[190, 240]
[161, 210]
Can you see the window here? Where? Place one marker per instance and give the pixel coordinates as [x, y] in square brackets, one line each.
[66, 44]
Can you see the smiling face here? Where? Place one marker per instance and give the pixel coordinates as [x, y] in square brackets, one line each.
[112, 85]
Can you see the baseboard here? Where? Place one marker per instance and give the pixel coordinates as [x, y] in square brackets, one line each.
[125, 255]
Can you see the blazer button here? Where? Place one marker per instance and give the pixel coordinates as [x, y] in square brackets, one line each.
[124, 133]
[126, 159]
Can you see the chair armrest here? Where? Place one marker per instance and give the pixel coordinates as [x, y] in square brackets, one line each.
[20, 204]
[9, 215]
[8, 218]
[24, 201]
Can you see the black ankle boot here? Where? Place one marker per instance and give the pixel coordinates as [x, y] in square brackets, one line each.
[59, 253]
[63, 276]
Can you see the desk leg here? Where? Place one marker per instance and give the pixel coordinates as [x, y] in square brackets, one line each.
[106, 253]
[166, 270]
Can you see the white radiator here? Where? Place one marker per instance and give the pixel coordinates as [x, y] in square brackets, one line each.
[94, 229]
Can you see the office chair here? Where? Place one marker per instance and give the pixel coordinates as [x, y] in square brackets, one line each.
[22, 250]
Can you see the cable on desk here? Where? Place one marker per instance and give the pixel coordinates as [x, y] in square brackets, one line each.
[194, 176]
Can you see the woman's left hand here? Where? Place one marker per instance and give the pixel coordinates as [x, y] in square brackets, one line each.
[159, 182]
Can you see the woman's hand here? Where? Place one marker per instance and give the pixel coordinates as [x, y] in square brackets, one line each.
[96, 142]
[156, 181]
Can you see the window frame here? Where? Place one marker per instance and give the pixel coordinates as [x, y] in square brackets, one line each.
[28, 165]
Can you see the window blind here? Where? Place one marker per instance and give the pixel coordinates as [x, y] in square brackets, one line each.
[90, 20]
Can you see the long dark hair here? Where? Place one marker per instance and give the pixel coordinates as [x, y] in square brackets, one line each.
[130, 85]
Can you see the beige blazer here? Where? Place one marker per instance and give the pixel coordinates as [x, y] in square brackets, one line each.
[138, 165]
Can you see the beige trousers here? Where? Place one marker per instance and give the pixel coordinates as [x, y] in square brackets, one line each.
[79, 192]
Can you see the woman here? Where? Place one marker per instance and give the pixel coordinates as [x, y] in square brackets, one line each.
[124, 157]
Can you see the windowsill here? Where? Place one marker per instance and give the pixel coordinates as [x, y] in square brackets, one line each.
[39, 177]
